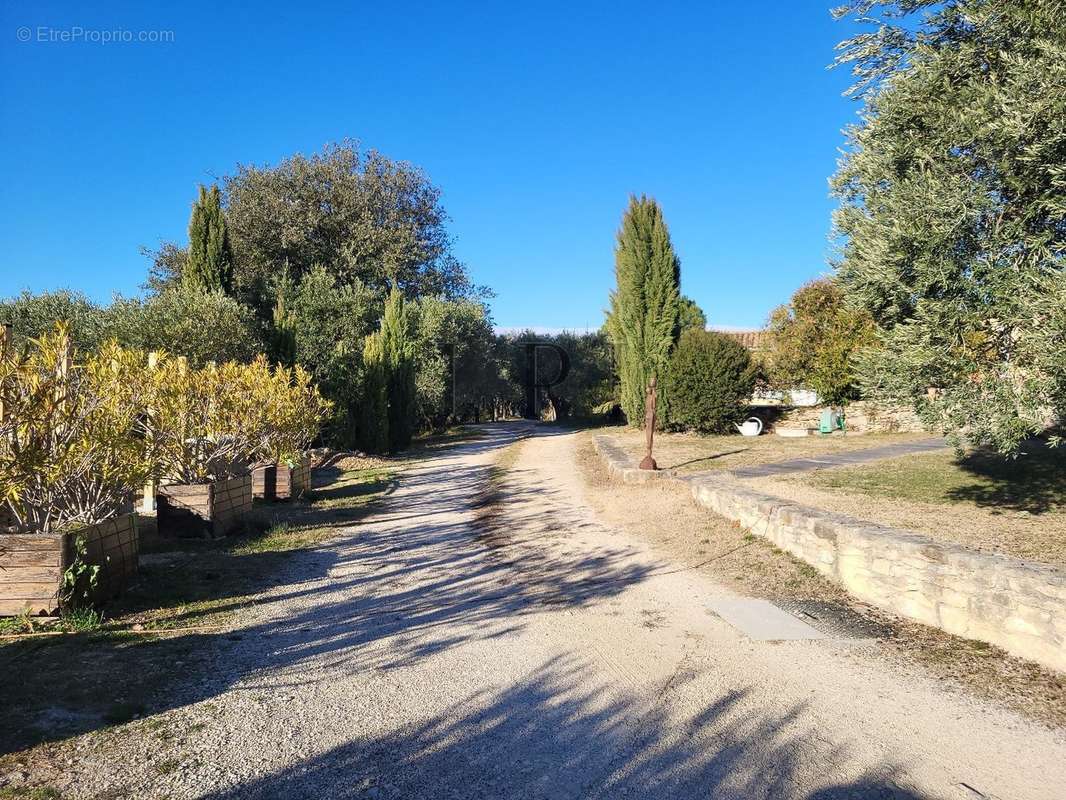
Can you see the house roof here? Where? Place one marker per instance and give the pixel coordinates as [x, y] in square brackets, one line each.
[753, 340]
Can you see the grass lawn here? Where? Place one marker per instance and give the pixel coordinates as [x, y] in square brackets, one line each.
[153, 640]
[689, 452]
[1015, 507]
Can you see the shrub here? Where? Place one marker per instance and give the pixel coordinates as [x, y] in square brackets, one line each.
[71, 436]
[295, 411]
[813, 342]
[211, 423]
[185, 321]
[33, 315]
[709, 379]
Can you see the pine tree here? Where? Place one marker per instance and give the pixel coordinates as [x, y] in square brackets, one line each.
[398, 345]
[209, 264]
[644, 320]
[373, 427]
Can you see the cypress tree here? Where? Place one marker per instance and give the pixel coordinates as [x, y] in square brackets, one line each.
[644, 319]
[399, 358]
[210, 262]
[373, 428]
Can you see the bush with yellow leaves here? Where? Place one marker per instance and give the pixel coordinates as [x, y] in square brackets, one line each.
[72, 437]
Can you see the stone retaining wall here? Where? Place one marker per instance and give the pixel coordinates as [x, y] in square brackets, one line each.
[862, 416]
[1016, 605]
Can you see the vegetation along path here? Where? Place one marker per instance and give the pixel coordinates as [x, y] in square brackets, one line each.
[484, 634]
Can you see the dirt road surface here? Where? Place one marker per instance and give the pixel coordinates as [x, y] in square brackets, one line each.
[452, 647]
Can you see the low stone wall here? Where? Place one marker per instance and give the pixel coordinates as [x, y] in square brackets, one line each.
[621, 467]
[32, 565]
[1014, 604]
[862, 416]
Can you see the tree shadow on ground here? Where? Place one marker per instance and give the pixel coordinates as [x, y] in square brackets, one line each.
[414, 583]
[1034, 482]
[560, 733]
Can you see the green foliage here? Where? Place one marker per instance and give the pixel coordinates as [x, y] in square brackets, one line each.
[72, 435]
[186, 321]
[33, 315]
[396, 341]
[710, 379]
[373, 429]
[588, 386]
[79, 581]
[209, 261]
[283, 328]
[813, 341]
[330, 323]
[644, 319]
[453, 337]
[953, 212]
[360, 216]
[691, 315]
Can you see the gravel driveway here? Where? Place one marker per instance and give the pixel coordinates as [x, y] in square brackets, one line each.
[544, 654]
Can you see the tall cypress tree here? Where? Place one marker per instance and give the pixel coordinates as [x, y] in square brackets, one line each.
[210, 262]
[373, 426]
[399, 358]
[644, 319]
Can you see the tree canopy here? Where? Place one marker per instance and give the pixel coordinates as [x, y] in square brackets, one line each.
[359, 215]
[814, 340]
[209, 262]
[953, 210]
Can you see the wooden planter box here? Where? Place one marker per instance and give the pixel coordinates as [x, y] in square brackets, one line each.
[203, 509]
[293, 481]
[32, 564]
[265, 481]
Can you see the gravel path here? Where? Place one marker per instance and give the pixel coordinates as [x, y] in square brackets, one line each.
[540, 653]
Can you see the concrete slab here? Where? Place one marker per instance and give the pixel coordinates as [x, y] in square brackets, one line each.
[762, 620]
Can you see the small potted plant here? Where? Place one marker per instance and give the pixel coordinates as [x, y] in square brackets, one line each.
[72, 450]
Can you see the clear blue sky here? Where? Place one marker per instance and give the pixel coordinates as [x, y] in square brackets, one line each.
[536, 119]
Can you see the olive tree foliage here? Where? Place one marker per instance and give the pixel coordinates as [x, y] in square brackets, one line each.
[644, 318]
[953, 211]
[30, 316]
[814, 340]
[452, 351]
[329, 322]
[358, 214]
[187, 321]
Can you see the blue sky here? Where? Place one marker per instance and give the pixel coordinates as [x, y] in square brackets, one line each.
[536, 120]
